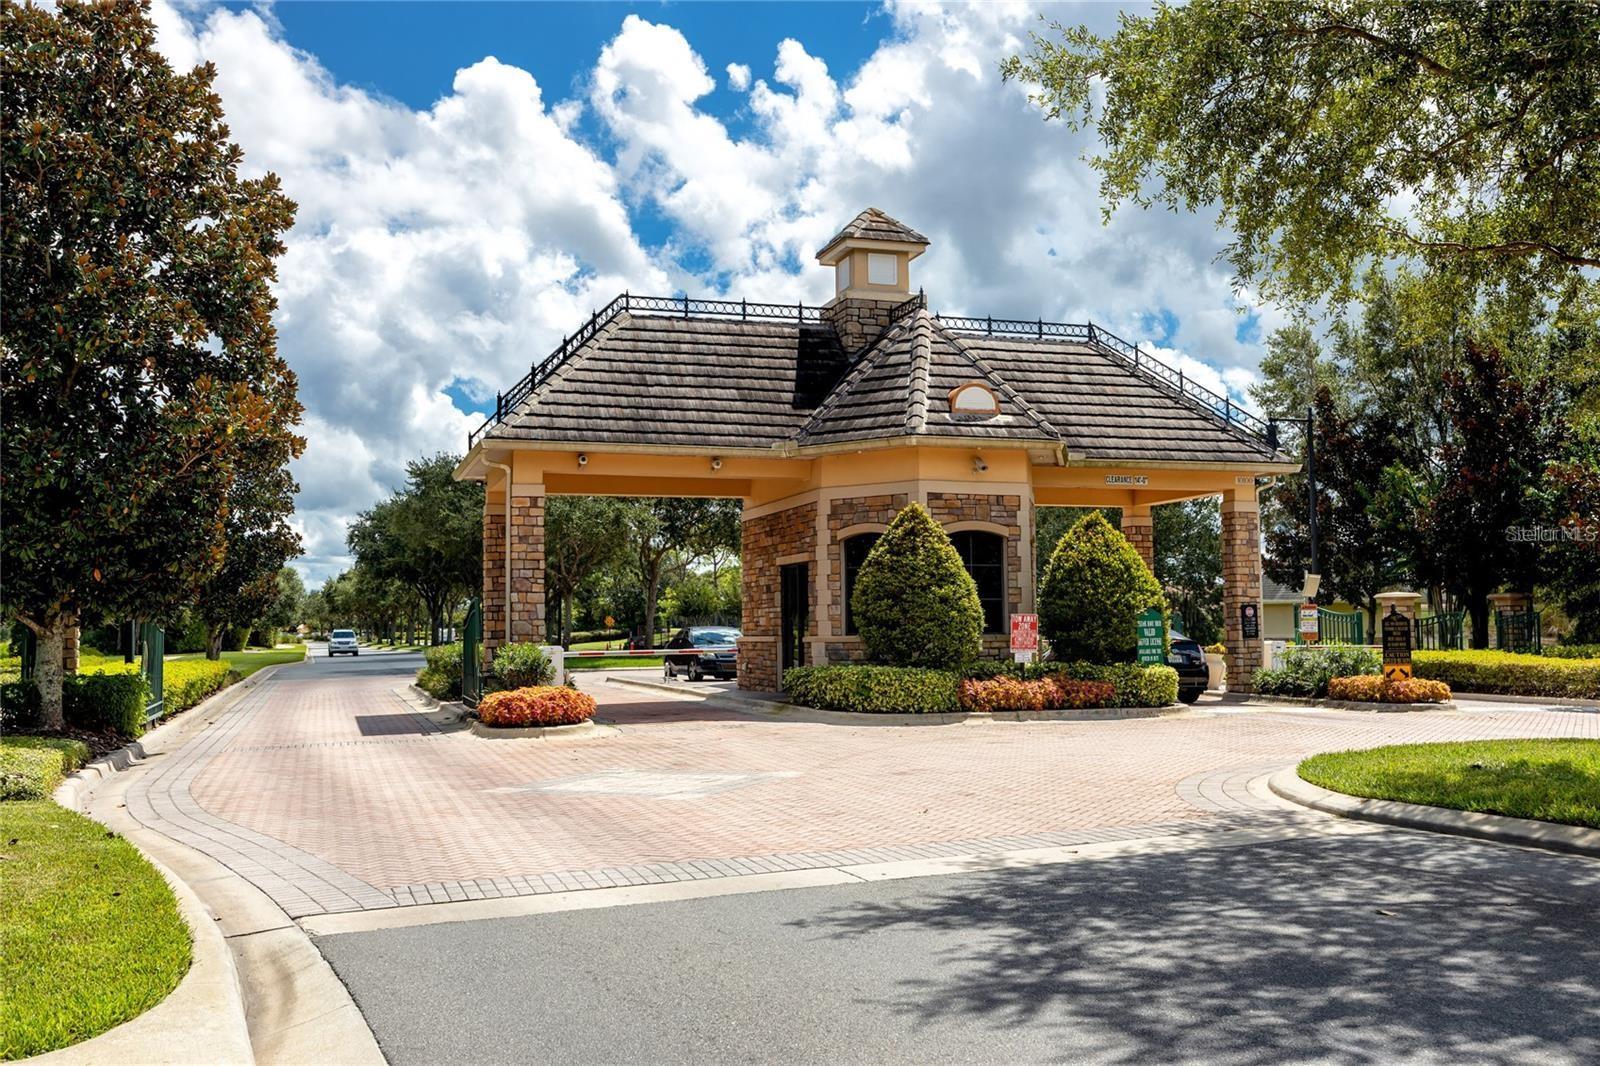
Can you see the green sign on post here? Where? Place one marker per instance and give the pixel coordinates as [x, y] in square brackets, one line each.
[1152, 633]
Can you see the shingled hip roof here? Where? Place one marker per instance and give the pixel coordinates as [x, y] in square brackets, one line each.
[873, 225]
[730, 376]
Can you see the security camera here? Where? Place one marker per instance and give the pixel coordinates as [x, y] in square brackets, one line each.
[978, 465]
[583, 459]
[716, 462]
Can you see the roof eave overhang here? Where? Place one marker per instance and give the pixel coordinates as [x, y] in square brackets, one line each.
[862, 444]
[837, 250]
[1261, 467]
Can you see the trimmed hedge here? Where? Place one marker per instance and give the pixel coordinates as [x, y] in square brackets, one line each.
[874, 689]
[1370, 688]
[99, 702]
[441, 676]
[1510, 673]
[32, 767]
[1047, 686]
[914, 602]
[1133, 685]
[523, 666]
[1308, 668]
[1093, 590]
[536, 705]
[1572, 651]
[187, 682]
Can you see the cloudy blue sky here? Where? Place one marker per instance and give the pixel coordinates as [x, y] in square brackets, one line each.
[473, 179]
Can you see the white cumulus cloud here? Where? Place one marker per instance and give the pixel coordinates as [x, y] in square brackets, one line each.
[439, 251]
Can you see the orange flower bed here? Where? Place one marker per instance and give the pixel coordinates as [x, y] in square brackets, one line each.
[1371, 688]
[1051, 693]
[540, 705]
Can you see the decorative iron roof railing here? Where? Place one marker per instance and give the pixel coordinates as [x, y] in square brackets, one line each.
[1103, 341]
[1130, 355]
[683, 306]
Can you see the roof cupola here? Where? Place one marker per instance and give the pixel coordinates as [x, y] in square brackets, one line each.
[871, 260]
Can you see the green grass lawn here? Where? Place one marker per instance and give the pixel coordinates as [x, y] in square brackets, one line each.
[615, 662]
[248, 662]
[1550, 780]
[92, 934]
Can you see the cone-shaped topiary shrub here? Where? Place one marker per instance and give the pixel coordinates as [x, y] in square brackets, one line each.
[1094, 587]
[914, 603]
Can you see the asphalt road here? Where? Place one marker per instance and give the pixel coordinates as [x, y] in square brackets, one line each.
[1385, 947]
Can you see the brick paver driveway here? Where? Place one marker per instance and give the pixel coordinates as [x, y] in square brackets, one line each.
[331, 791]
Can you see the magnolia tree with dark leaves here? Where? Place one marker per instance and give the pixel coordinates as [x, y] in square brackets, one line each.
[259, 542]
[139, 358]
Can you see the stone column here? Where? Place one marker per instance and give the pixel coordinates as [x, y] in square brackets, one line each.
[527, 564]
[70, 643]
[1241, 585]
[494, 576]
[1502, 603]
[1138, 525]
[1407, 603]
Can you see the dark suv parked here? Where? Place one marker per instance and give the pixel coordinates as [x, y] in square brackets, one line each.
[1189, 659]
[684, 652]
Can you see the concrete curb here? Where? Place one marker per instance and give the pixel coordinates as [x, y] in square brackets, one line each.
[202, 1020]
[1363, 706]
[576, 731]
[1546, 701]
[277, 993]
[74, 789]
[1572, 839]
[796, 713]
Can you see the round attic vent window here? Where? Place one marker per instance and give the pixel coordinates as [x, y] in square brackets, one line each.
[973, 399]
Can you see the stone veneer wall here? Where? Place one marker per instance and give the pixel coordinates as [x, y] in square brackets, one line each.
[843, 513]
[1140, 530]
[858, 322]
[1241, 584]
[527, 569]
[766, 539]
[948, 508]
[494, 579]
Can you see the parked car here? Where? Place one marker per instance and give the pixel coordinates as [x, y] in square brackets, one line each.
[683, 653]
[1189, 659]
[343, 642]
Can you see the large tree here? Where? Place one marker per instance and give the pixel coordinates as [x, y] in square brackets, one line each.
[1188, 564]
[137, 345]
[582, 535]
[259, 542]
[659, 526]
[1329, 132]
[1492, 483]
[428, 536]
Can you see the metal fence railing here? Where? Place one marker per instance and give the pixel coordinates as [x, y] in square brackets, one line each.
[1141, 363]
[1441, 632]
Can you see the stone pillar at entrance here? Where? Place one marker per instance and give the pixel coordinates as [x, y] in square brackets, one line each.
[1407, 603]
[494, 576]
[1241, 585]
[527, 566]
[1138, 525]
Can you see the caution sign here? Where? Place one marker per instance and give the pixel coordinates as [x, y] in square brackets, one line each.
[1396, 645]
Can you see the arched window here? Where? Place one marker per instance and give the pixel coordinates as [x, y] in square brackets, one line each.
[984, 556]
[855, 553]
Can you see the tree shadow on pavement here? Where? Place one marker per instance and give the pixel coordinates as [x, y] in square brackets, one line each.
[1384, 947]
